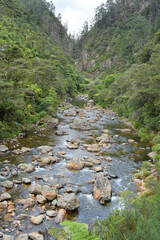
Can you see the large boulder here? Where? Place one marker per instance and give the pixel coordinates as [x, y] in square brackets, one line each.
[102, 190]
[80, 124]
[68, 201]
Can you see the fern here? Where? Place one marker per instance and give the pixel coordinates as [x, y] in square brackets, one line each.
[72, 230]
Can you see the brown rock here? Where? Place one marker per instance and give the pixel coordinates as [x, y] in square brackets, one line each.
[60, 216]
[75, 165]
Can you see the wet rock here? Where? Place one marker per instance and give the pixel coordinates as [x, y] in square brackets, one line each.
[94, 161]
[14, 172]
[7, 184]
[7, 237]
[5, 196]
[51, 213]
[91, 181]
[80, 124]
[73, 143]
[3, 148]
[127, 130]
[35, 189]
[17, 181]
[93, 148]
[21, 217]
[152, 155]
[105, 138]
[3, 205]
[60, 133]
[41, 199]
[68, 201]
[36, 236]
[70, 112]
[27, 203]
[27, 168]
[60, 216]
[22, 237]
[50, 193]
[37, 220]
[11, 207]
[102, 190]
[44, 149]
[131, 140]
[98, 169]
[49, 122]
[24, 150]
[75, 165]
[47, 160]
[108, 159]
[26, 180]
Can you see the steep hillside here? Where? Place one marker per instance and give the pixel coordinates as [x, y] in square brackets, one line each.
[120, 30]
[34, 72]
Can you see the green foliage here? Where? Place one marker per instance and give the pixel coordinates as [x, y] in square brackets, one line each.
[35, 74]
[72, 230]
[109, 80]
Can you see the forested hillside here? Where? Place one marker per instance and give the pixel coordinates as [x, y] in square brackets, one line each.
[34, 72]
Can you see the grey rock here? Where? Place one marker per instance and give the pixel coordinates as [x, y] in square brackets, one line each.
[27, 168]
[7, 184]
[22, 237]
[102, 190]
[80, 124]
[3, 148]
[8, 237]
[51, 213]
[35, 189]
[27, 203]
[37, 220]
[26, 180]
[36, 236]
[5, 196]
[68, 201]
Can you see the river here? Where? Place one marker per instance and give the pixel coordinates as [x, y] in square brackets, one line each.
[125, 154]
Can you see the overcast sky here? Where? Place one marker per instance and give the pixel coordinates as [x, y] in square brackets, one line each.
[75, 12]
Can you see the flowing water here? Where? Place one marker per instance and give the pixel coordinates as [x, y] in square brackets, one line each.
[126, 158]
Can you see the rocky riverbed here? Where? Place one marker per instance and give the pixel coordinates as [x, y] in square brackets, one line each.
[75, 168]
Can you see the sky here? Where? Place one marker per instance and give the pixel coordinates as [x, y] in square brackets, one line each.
[75, 12]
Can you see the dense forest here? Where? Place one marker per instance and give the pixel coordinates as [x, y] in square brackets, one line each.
[35, 72]
[116, 61]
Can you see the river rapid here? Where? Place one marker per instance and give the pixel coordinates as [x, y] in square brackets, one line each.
[118, 159]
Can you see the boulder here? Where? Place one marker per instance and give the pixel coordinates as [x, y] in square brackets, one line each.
[35, 236]
[50, 193]
[80, 124]
[93, 148]
[51, 213]
[27, 203]
[70, 112]
[60, 215]
[41, 199]
[7, 184]
[26, 180]
[49, 122]
[44, 149]
[35, 189]
[47, 160]
[75, 165]
[103, 139]
[152, 155]
[98, 169]
[102, 190]
[7, 237]
[37, 220]
[22, 237]
[3, 205]
[3, 148]
[27, 168]
[68, 201]
[5, 196]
